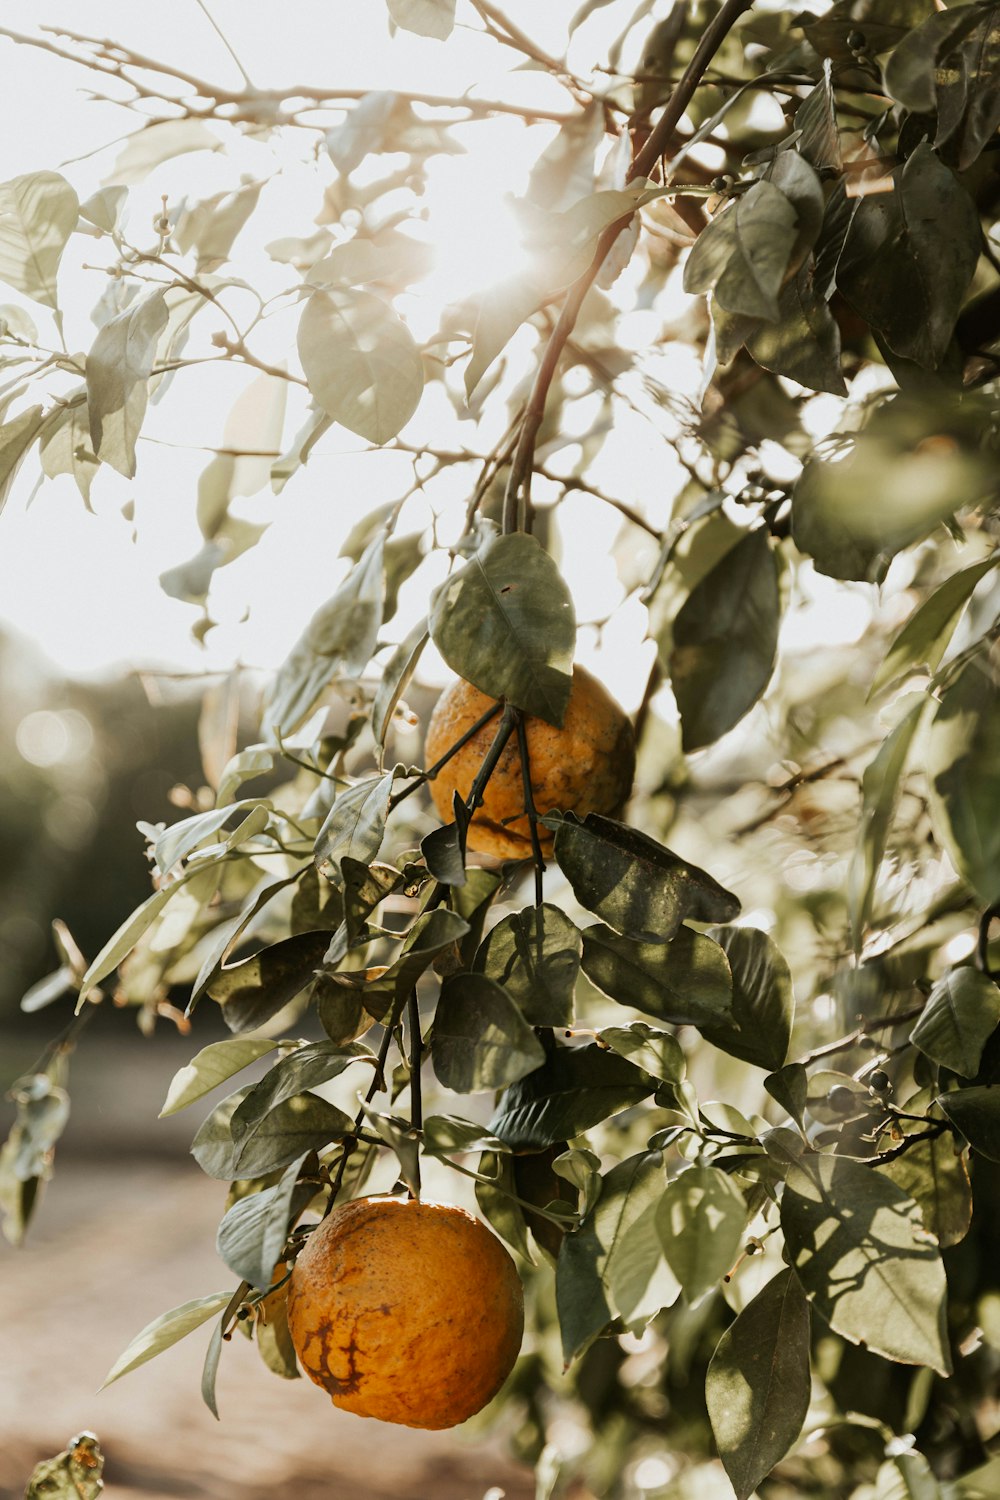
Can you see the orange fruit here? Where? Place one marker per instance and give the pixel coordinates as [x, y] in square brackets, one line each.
[586, 766]
[409, 1312]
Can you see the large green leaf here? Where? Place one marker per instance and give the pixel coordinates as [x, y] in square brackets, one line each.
[165, 1330]
[535, 955]
[118, 369]
[961, 1014]
[865, 1259]
[686, 981]
[760, 1024]
[16, 438]
[303, 1069]
[481, 1040]
[396, 676]
[701, 1219]
[910, 257]
[576, 1088]
[724, 641]
[212, 1066]
[600, 1258]
[743, 253]
[636, 885]
[880, 787]
[254, 990]
[253, 1231]
[355, 824]
[38, 213]
[951, 64]
[854, 511]
[658, 1053]
[302, 1123]
[976, 1113]
[505, 623]
[360, 361]
[934, 1174]
[963, 772]
[757, 1389]
[924, 638]
[804, 344]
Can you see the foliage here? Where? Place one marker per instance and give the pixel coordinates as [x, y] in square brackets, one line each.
[802, 1269]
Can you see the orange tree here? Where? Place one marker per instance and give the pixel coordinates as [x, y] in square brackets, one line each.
[744, 1229]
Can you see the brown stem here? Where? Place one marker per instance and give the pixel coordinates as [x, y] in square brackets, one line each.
[657, 143]
[861, 1034]
[438, 765]
[530, 809]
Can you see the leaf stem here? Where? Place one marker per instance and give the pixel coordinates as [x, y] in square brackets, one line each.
[529, 807]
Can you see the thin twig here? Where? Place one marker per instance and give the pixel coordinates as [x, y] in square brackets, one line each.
[862, 1033]
[224, 40]
[439, 765]
[529, 807]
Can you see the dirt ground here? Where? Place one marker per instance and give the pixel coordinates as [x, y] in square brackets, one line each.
[121, 1237]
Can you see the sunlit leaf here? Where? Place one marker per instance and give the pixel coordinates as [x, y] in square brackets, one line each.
[963, 773]
[38, 213]
[118, 369]
[360, 361]
[210, 1067]
[934, 1174]
[924, 638]
[535, 955]
[961, 1014]
[577, 1087]
[434, 18]
[701, 1219]
[481, 1040]
[164, 1331]
[686, 981]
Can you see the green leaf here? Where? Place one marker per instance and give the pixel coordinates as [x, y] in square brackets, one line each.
[64, 449]
[210, 1369]
[686, 981]
[396, 676]
[804, 343]
[434, 18]
[305, 1068]
[816, 122]
[124, 940]
[757, 1389]
[535, 955]
[880, 787]
[253, 1231]
[600, 1255]
[38, 213]
[211, 225]
[360, 361]
[576, 1088]
[118, 370]
[742, 254]
[789, 1086]
[74, 1474]
[496, 1192]
[963, 772]
[303, 1123]
[934, 1174]
[655, 1052]
[865, 1260]
[505, 623]
[501, 311]
[227, 932]
[910, 257]
[761, 1018]
[210, 1067]
[853, 512]
[481, 1040]
[637, 886]
[976, 1113]
[16, 438]
[256, 989]
[355, 824]
[724, 641]
[701, 1219]
[165, 1330]
[340, 638]
[951, 64]
[445, 1134]
[924, 638]
[180, 839]
[961, 1014]
[106, 209]
[159, 142]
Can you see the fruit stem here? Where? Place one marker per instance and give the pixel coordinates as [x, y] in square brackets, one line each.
[416, 1061]
[439, 765]
[529, 807]
[493, 754]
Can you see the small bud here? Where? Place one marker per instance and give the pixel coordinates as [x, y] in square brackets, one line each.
[880, 1081]
[857, 41]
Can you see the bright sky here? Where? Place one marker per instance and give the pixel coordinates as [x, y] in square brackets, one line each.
[85, 586]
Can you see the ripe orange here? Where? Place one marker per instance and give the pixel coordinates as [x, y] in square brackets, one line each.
[410, 1312]
[586, 766]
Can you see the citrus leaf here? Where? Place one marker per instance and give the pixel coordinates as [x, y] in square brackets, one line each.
[360, 361]
[505, 623]
[757, 1389]
[16, 438]
[433, 18]
[396, 677]
[934, 1174]
[865, 1260]
[686, 981]
[924, 638]
[300, 1124]
[724, 641]
[124, 940]
[303, 1069]
[636, 885]
[257, 988]
[165, 1330]
[481, 1040]
[355, 824]
[118, 369]
[655, 1052]
[961, 1014]
[760, 1024]
[963, 771]
[253, 1231]
[742, 254]
[535, 955]
[38, 213]
[576, 1088]
[976, 1113]
[210, 1067]
[701, 1218]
